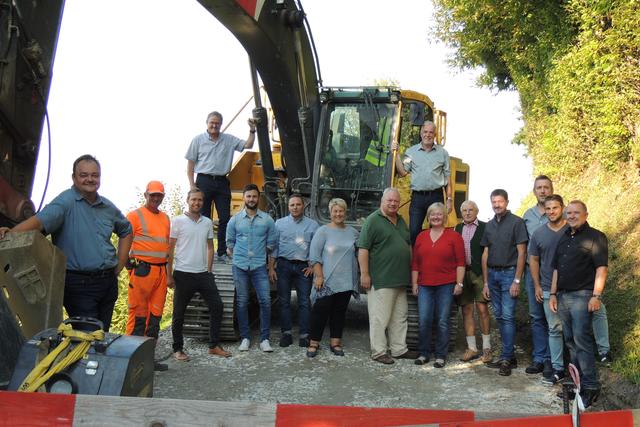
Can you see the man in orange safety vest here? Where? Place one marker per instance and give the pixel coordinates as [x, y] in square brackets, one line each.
[148, 275]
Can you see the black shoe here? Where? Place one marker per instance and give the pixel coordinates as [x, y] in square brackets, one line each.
[496, 364]
[160, 367]
[589, 396]
[303, 342]
[505, 368]
[554, 378]
[337, 350]
[421, 360]
[534, 368]
[285, 340]
[548, 368]
[605, 359]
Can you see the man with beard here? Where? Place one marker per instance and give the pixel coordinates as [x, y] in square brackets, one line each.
[81, 222]
[192, 240]
[148, 274]
[251, 237]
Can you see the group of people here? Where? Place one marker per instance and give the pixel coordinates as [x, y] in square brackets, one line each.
[562, 260]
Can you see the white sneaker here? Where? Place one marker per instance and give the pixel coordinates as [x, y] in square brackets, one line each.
[265, 346]
[244, 345]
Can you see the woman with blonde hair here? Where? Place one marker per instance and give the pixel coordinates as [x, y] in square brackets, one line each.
[437, 273]
[333, 256]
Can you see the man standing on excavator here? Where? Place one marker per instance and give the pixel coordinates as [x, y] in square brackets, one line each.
[210, 156]
[148, 274]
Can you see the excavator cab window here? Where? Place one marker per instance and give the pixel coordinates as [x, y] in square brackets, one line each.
[355, 161]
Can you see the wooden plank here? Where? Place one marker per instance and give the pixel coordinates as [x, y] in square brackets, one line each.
[119, 411]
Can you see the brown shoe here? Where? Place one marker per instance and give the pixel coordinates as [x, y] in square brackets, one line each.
[181, 356]
[487, 355]
[385, 358]
[470, 355]
[409, 354]
[219, 351]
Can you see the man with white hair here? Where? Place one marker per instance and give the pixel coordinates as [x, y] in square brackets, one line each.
[385, 256]
[472, 230]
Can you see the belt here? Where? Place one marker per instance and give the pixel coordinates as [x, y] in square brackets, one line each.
[159, 264]
[214, 177]
[95, 273]
[428, 192]
[294, 261]
[501, 267]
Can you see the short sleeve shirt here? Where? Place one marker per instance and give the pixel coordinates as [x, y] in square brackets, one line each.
[429, 170]
[533, 219]
[213, 157]
[543, 245]
[82, 230]
[389, 248]
[502, 238]
[191, 243]
[577, 257]
[294, 238]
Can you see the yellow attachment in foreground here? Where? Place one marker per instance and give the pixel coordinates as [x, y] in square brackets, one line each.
[43, 370]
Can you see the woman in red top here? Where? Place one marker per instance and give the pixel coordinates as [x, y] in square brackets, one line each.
[437, 272]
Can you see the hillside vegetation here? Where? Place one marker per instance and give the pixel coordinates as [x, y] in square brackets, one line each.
[576, 67]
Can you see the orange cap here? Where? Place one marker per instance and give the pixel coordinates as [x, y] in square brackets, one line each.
[155, 187]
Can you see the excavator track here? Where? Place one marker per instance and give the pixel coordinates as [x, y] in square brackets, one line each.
[196, 318]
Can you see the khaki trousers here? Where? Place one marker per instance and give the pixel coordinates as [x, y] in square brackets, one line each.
[387, 309]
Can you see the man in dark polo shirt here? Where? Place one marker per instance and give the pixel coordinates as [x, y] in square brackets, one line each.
[385, 256]
[505, 249]
[580, 271]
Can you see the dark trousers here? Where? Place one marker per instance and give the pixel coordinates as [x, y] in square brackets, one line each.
[332, 308]
[418, 210]
[216, 190]
[91, 296]
[291, 275]
[187, 284]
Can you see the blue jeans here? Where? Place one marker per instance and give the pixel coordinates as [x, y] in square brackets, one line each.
[259, 279]
[91, 296]
[290, 275]
[418, 210]
[434, 303]
[539, 326]
[504, 307]
[216, 191]
[601, 330]
[578, 333]
[556, 346]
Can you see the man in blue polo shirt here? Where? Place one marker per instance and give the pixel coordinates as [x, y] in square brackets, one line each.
[210, 156]
[295, 232]
[428, 164]
[81, 222]
[251, 237]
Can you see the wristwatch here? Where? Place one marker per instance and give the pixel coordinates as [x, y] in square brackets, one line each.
[517, 281]
[460, 284]
[599, 297]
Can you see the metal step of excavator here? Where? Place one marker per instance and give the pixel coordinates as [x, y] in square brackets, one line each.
[412, 320]
[196, 317]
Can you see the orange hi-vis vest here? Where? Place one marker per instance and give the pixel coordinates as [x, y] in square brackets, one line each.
[150, 235]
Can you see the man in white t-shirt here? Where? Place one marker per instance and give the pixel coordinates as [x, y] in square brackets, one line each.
[192, 264]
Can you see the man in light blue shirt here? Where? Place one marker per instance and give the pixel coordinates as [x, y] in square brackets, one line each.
[210, 157]
[295, 232]
[430, 169]
[81, 222]
[251, 237]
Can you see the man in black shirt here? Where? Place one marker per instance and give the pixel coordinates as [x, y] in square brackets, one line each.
[580, 271]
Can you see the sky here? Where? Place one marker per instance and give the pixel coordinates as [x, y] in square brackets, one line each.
[133, 82]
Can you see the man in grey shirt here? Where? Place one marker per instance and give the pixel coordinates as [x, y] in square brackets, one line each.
[210, 156]
[505, 249]
[428, 164]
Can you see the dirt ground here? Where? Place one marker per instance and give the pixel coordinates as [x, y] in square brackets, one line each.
[287, 376]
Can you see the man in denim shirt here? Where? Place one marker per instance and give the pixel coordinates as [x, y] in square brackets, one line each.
[295, 232]
[81, 222]
[251, 236]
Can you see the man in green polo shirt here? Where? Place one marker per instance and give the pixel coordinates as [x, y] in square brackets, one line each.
[385, 256]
